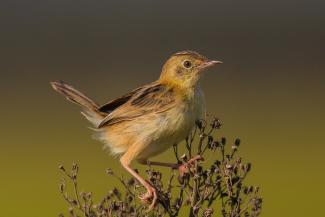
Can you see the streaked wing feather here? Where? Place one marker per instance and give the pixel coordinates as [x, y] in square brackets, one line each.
[114, 104]
[153, 98]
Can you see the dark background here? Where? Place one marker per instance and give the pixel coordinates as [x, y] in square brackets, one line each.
[269, 92]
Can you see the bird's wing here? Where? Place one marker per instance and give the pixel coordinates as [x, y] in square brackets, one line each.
[153, 98]
[114, 104]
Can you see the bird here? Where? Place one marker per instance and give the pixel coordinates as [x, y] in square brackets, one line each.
[148, 120]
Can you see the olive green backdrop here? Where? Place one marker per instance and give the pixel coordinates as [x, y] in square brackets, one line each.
[269, 92]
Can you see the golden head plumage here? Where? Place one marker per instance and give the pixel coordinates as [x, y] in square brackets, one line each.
[183, 69]
[151, 118]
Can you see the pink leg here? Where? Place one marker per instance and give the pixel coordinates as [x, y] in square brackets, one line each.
[182, 168]
[151, 191]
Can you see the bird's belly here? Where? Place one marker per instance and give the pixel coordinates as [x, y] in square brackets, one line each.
[169, 129]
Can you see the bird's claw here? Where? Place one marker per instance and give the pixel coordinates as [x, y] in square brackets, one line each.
[150, 197]
[184, 168]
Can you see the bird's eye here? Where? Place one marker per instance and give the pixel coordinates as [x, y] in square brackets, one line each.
[187, 64]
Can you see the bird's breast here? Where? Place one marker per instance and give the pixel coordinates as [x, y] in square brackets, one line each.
[181, 119]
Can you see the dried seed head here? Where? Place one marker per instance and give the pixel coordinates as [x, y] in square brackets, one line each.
[223, 141]
[132, 210]
[247, 167]
[217, 163]
[245, 190]
[208, 212]
[130, 198]
[235, 179]
[75, 167]
[115, 206]
[196, 209]
[131, 182]
[184, 157]
[228, 166]
[61, 167]
[62, 187]
[177, 203]
[188, 201]
[199, 169]
[116, 191]
[213, 145]
[216, 123]
[205, 175]
[92, 214]
[210, 139]
[89, 195]
[224, 194]
[200, 124]
[109, 171]
[237, 142]
[158, 175]
[73, 202]
[257, 189]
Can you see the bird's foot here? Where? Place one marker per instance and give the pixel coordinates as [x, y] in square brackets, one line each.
[184, 168]
[150, 197]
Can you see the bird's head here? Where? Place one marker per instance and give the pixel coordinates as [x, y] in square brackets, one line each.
[184, 69]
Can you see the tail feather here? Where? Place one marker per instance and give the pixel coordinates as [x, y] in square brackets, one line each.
[92, 112]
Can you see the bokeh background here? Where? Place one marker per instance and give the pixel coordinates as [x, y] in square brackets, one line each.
[269, 92]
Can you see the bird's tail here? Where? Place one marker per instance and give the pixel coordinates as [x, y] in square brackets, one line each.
[91, 111]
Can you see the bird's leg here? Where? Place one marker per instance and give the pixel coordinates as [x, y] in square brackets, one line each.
[151, 191]
[155, 163]
[182, 168]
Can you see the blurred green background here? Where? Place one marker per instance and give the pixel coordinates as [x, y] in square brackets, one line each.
[269, 92]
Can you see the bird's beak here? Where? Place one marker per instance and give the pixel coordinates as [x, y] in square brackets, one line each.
[209, 63]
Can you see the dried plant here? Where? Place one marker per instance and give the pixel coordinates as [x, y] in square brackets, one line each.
[207, 189]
